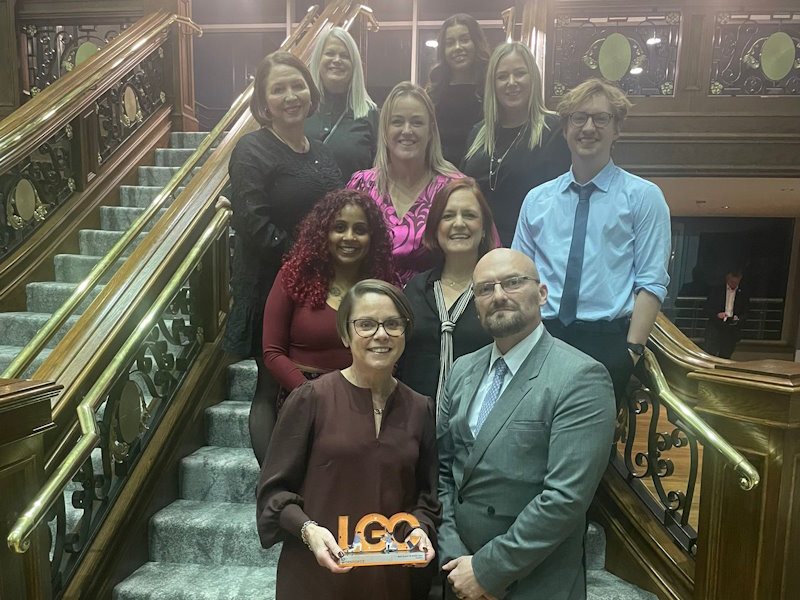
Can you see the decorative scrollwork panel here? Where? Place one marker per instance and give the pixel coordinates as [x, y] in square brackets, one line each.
[123, 108]
[638, 51]
[34, 187]
[650, 443]
[54, 50]
[756, 55]
[136, 402]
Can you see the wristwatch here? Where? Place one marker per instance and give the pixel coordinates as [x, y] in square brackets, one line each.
[637, 349]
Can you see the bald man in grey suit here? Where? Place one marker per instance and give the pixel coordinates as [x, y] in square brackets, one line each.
[522, 447]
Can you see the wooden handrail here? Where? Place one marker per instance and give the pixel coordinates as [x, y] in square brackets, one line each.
[29, 126]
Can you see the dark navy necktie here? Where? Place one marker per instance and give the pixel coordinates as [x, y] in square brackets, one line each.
[568, 310]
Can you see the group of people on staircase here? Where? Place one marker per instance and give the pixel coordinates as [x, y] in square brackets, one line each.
[407, 362]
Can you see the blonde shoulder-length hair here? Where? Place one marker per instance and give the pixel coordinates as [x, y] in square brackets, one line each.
[486, 137]
[358, 99]
[434, 160]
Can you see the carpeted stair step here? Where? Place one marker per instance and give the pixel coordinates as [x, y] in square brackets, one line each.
[49, 296]
[242, 380]
[209, 533]
[141, 196]
[9, 353]
[172, 581]
[97, 242]
[602, 585]
[217, 474]
[176, 157]
[227, 424]
[188, 139]
[18, 328]
[74, 268]
[120, 218]
[159, 176]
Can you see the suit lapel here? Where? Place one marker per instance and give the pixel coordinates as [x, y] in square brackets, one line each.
[507, 403]
[471, 384]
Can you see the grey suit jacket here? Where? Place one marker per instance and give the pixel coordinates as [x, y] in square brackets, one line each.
[516, 496]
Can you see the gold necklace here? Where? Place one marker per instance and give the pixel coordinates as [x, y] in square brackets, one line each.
[455, 284]
[304, 148]
[494, 169]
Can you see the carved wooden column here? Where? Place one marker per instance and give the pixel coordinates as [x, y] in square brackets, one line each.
[179, 56]
[748, 540]
[25, 415]
[9, 59]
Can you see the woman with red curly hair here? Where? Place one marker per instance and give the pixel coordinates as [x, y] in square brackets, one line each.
[299, 336]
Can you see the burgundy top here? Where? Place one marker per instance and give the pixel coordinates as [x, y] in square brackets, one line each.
[410, 256]
[296, 334]
[324, 460]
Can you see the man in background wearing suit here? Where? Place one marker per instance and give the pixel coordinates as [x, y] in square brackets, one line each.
[524, 433]
[726, 308]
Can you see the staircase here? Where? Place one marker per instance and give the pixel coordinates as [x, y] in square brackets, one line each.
[205, 545]
[43, 298]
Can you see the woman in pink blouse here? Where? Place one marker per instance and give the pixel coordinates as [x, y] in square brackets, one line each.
[409, 170]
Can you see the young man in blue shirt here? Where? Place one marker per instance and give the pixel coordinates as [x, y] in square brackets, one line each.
[601, 238]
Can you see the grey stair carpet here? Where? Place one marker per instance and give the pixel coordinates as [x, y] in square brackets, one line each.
[205, 546]
[45, 297]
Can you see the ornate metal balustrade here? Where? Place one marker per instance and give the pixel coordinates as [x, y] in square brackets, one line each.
[52, 51]
[637, 50]
[756, 54]
[34, 187]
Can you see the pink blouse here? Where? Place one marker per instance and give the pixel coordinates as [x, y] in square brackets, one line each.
[410, 256]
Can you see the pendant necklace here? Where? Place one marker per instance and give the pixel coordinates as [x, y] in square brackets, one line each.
[495, 163]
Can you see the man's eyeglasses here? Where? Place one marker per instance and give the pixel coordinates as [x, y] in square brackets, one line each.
[509, 285]
[394, 327]
[600, 120]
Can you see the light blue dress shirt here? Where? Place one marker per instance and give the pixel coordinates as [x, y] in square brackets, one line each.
[514, 359]
[628, 241]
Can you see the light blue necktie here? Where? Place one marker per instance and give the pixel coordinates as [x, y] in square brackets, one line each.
[500, 370]
[568, 309]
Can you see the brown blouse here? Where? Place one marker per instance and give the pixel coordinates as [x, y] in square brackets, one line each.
[324, 460]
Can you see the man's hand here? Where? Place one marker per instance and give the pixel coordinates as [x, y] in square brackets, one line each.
[325, 548]
[463, 582]
[721, 316]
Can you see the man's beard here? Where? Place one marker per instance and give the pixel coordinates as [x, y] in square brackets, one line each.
[501, 326]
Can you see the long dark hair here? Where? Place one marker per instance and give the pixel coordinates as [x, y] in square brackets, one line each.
[441, 74]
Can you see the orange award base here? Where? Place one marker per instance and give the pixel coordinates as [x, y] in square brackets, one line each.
[374, 559]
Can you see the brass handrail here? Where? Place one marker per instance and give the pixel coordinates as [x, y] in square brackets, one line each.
[29, 353]
[509, 17]
[59, 103]
[748, 475]
[18, 538]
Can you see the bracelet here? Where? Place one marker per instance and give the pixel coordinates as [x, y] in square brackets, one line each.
[304, 531]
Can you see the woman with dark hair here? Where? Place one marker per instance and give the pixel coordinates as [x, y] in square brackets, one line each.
[347, 118]
[409, 170]
[519, 144]
[277, 175]
[351, 442]
[456, 82]
[300, 339]
[459, 231]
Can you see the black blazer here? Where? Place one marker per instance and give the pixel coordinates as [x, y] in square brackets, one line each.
[715, 303]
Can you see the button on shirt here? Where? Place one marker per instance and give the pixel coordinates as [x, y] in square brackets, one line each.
[628, 241]
[514, 359]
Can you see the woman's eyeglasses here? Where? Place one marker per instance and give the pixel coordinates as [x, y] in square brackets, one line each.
[394, 327]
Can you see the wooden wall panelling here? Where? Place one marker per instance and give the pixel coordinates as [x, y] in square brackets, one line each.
[9, 59]
[748, 540]
[84, 11]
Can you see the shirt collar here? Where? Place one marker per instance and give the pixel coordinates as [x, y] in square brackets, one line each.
[602, 180]
[517, 355]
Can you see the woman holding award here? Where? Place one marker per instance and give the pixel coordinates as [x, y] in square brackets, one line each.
[351, 443]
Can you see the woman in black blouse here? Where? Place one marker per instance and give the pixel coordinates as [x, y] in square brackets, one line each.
[459, 231]
[347, 118]
[519, 144]
[456, 82]
[277, 175]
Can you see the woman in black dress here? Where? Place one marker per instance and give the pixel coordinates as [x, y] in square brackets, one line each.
[457, 81]
[347, 118]
[459, 231]
[520, 143]
[277, 175]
